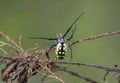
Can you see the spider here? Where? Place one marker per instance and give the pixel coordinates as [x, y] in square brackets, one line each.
[61, 47]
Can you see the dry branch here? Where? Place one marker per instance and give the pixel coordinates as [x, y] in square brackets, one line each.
[31, 63]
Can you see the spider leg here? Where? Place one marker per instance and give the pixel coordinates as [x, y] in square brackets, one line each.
[70, 53]
[73, 23]
[43, 38]
[53, 46]
[46, 39]
[73, 31]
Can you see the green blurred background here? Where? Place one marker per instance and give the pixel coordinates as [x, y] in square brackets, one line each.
[46, 18]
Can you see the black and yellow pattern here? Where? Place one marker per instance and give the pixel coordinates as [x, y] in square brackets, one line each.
[61, 50]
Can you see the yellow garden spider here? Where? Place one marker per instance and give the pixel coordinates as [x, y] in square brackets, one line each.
[60, 46]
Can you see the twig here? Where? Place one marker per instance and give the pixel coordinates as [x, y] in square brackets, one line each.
[78, 75]
[105, 75]
[3, 51]
[19, 42]
[11, 58]
[97, 36]
[91, 65]
[51, 73]
[43, 78]
[14, 44]
[118, 78]
[55, 67]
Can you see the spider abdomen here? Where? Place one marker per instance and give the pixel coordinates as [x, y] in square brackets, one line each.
[61, 50]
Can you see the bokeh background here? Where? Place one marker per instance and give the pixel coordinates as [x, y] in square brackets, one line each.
[46, 18]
